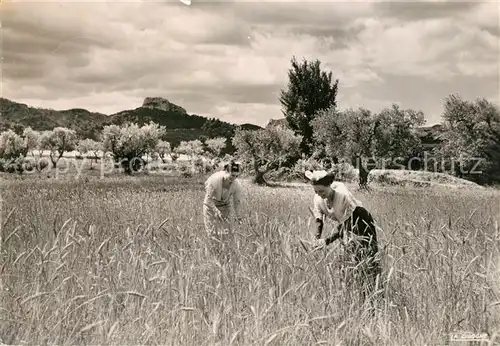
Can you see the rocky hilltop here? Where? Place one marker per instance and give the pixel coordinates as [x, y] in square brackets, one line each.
[162, 104]
[277, 122]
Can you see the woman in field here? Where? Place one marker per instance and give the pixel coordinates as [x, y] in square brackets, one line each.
[333, 200]
[222, 190]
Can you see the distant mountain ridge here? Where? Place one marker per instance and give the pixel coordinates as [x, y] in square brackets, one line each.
[180, 125]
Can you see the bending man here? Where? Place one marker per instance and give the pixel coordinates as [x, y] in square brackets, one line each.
[222, 190]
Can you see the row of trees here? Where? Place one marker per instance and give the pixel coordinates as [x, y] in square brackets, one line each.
[353, 136]
[127, 145]
[15, 148]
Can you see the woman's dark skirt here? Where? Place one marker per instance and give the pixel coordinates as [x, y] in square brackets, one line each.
[361, 249]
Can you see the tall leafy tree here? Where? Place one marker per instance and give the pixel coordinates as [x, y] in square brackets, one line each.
[309, 90]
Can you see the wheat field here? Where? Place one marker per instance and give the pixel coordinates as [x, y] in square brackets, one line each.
[126, 261]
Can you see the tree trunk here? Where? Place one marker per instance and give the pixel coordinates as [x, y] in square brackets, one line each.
[54, 162]
[363, 172]
[259, 175]
[363, 177]
[259, 178]
[127, 169]
[138, 164]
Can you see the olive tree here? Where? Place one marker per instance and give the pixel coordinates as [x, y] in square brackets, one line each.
[471, 139]
[58, 141]
[367, 139]
[89, 145]
[266, 149]
[130, 142]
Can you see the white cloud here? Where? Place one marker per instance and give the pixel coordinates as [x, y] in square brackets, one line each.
[485, 14]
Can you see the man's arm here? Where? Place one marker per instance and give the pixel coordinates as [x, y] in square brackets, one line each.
[210, 196]
[318, 215]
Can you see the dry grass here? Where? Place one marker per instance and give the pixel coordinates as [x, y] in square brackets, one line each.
[126, 261]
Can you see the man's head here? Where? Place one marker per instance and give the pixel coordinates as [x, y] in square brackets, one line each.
[233, 169]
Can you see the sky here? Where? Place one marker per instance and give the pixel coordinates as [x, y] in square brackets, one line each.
[230, 59]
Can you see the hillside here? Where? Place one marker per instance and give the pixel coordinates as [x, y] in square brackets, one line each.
[180, 125]
[17, 116]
